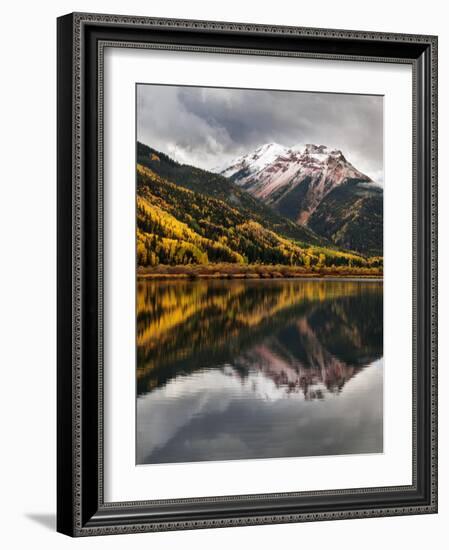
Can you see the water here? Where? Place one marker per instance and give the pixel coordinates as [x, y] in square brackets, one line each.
[241, 369]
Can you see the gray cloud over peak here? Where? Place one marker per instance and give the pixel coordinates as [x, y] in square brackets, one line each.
[208, 127]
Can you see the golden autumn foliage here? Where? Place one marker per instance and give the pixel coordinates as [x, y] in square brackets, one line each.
[180, 227]
[166, 308]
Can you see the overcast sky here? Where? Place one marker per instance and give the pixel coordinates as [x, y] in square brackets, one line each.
[207, 127]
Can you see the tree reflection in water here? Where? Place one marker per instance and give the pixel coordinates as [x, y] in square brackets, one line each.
[298, 333]
[243, 343]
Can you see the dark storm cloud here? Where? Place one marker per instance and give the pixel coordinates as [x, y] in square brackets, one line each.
[208, 127]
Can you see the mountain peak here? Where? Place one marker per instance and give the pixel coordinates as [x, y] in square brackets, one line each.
[313, 149]
[271, 149]
[253, 162]
[275, 174]
[270, 145]
[319, 149]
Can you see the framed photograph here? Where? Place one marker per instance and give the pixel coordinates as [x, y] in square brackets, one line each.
[247, 274]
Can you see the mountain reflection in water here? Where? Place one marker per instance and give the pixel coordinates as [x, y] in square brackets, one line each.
[258, 369]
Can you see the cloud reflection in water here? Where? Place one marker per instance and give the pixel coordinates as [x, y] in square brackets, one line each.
[234, 370]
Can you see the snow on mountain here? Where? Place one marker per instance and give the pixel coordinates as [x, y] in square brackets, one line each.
[304, 173]
[255, 161]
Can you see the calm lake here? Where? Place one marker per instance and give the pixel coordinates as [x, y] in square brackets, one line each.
[241, 369]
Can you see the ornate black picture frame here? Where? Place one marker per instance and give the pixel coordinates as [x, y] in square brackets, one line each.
[81, 510]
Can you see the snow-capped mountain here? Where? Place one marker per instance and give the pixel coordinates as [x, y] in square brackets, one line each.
[317, 186]
[293, 179]
[254, 162]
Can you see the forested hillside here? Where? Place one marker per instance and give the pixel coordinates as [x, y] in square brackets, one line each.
[352, 216]
[219, 187]
[179, 226]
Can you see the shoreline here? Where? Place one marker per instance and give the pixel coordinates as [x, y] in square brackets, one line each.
[355, 278]
[258, 277]
[228, 271]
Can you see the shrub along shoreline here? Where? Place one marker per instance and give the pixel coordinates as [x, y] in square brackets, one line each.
[254, 271]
